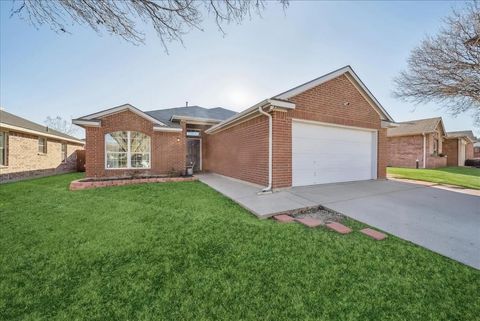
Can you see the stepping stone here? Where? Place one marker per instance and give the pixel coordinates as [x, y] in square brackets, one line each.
[337, 227]
[283, 218]
[308, 221]
[374, 234]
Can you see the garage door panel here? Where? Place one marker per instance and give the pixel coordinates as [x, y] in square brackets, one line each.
[327, 154]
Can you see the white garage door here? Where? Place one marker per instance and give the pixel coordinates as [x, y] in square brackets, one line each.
[328, 154]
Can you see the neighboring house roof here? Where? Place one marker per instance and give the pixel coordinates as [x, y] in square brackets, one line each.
[462, 133]
[334, 74]
[163, 118]
[415, 127]
[16, 123]
[167, 116]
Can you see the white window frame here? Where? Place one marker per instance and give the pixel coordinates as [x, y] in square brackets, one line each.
[45, 146]
[129, 154]
[5, 150]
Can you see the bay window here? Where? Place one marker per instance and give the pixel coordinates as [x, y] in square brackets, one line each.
[127, 149]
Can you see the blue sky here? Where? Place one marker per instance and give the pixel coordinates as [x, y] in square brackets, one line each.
[43, 73]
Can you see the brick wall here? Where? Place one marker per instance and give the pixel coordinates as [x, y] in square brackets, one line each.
[450, 148]
[24, 160]
[403, 151]
[324, 103]
[476, 152]
[240, 151]
[469, 151]
[167, 149]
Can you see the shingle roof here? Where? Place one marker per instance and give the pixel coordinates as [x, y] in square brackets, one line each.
[462, 133]
[415, 127]
[13, 120]
[164, 115]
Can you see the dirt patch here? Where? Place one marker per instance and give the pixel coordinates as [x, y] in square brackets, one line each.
[320, 213]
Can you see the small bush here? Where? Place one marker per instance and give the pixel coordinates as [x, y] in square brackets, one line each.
[474, 162]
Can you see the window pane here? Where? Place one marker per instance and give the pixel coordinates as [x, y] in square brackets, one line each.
[2, 148]
[140, 143]
[140, 160]
[116, 142]
[116, 160]
[64, 152]
[42, 145]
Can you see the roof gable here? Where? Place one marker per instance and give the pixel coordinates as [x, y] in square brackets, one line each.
[417, 127]
[334, 74]
[98, 115]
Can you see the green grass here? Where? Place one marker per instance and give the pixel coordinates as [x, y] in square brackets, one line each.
[181, 251]
[468, 177]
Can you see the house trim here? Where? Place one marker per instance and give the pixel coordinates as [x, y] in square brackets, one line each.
[334, 74]
[119, 109]
[37, 133]
[275, 103]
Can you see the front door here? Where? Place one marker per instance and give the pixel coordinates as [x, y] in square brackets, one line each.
[194, 153]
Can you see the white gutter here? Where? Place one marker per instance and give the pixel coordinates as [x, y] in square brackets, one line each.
[250, 111]
[424, 150]
[270, 143]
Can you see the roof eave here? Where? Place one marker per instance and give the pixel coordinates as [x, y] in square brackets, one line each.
[272, 102]
[332, 75]
[39, 133]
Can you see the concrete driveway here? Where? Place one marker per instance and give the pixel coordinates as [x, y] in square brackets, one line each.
[443, 221]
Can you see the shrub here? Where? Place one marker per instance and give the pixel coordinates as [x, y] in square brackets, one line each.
[474, 162]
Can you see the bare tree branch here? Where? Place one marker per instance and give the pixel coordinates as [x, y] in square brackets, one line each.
[61, 125]
[446, 68]
[171, 19]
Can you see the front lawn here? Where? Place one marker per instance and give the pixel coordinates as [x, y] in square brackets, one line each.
[468, 177]
[181, 251]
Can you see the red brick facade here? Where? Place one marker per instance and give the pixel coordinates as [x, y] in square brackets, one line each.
[240, 151]
[451, 149]
[324, 103]
[167, 148]
[404, 151]
[25, 161]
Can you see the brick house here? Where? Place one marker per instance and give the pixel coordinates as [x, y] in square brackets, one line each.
[331, 129]
[419, 140]
[28, 149]
[476, 149]
[459, 147]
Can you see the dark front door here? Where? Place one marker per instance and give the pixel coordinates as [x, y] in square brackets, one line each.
[194, 154]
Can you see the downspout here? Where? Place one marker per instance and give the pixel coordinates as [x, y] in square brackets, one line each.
[424, 150]
[268, 189]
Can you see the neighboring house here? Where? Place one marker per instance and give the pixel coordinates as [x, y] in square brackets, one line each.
[419, 140]
[459, 147]
[28, 149]
[331, 129]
